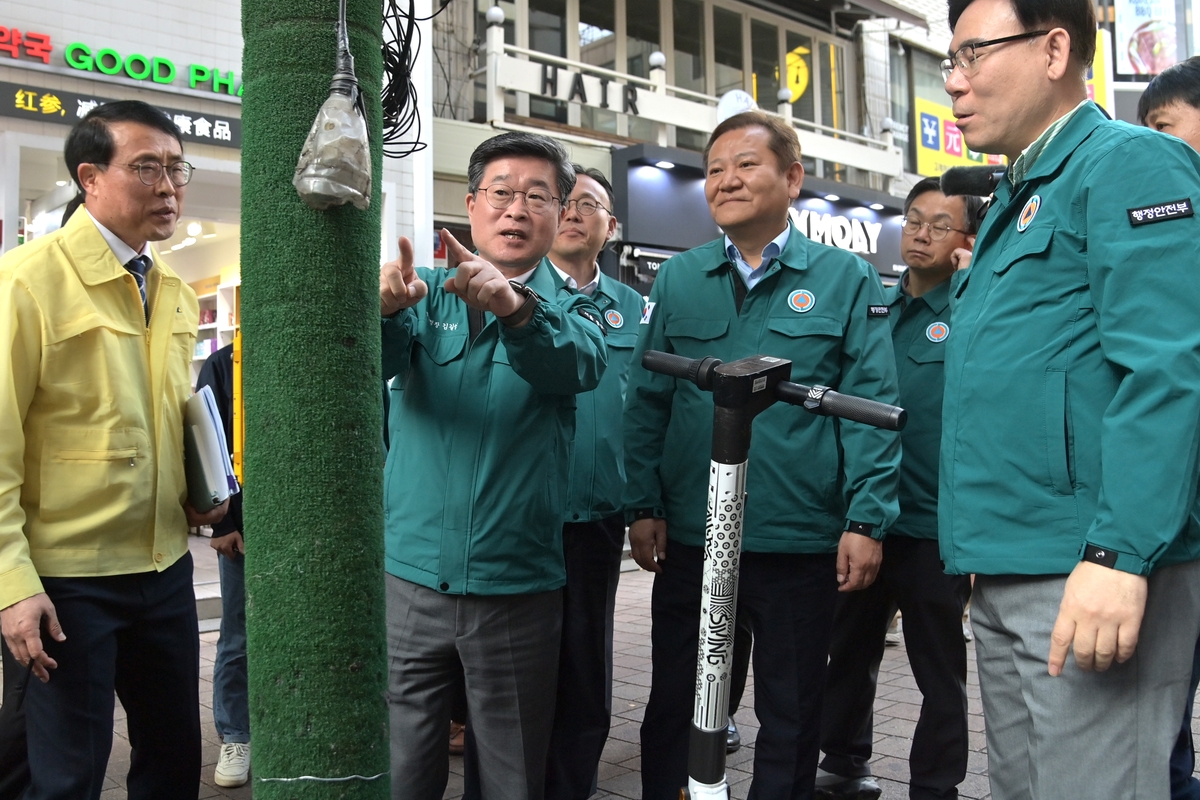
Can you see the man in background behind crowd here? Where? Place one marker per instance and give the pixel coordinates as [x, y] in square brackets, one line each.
[594, 533]
[911, 575]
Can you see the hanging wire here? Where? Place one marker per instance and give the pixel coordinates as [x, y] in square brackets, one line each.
[401, 43]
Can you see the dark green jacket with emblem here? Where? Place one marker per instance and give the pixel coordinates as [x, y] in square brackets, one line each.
[1072, 407]
[808, 475]
[598, 468]
[920, 330]
[476, 477]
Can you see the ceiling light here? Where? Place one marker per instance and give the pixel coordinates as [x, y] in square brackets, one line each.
[876, 206]
[60, 183]
[191, 240]
[664, 165]
[193, 229]
[178, 246]
[833, 198]
[212, 235]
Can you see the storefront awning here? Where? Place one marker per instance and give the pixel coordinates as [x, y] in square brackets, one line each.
[845, 12]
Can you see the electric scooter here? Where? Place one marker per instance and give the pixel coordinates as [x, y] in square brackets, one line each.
[741, 391]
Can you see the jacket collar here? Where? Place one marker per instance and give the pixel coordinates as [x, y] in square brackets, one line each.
[794, 255]
[545, 280]
[90, 254]
[937, 298]
[1081, 125]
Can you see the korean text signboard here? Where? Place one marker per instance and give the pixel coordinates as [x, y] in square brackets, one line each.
[25, 101]
[940, 144]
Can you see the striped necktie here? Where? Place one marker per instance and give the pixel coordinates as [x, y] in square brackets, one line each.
[138, 267]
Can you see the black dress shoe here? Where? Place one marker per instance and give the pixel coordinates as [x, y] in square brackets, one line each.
[838, 787]
[733, 739]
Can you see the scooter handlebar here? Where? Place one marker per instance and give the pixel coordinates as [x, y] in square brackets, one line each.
[823, 400]
[696, 370]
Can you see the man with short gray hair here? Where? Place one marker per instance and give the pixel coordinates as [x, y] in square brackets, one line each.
[485, 361]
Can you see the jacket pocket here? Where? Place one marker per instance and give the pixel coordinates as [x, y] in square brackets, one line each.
[1025, 245]
[693, 336]
[813, 344]
[931, 354]
[90, 473]
[442, 349]
[1058, 456]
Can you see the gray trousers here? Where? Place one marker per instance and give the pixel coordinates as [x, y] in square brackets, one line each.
[508, 646]
[1084, 734]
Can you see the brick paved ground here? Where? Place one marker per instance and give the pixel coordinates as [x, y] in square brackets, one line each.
[896, 709]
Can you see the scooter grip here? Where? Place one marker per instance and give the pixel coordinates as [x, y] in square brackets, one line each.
[822, 400]
[869, 412]
[668, 364]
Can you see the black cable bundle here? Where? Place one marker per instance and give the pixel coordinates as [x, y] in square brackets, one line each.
[401, 43]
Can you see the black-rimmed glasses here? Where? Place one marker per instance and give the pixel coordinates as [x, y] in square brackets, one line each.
[500, 196]
[151, 172]
[965, 57]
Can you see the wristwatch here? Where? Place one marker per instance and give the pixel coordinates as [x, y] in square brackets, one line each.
[525, 311]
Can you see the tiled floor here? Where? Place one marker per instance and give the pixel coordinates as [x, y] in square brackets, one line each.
[896, 709]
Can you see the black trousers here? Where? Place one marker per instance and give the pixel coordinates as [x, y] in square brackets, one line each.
[789, 600]
[932, 602]
[135, 635]
[14, 756]
[584, 708]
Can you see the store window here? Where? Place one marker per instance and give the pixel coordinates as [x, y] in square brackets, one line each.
[764, 64]
[643, 35]
[689, 45]
[598, 47]
[548, 34]
[727, 50]
[800, 75]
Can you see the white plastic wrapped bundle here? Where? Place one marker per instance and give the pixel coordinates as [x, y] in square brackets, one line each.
[335, 164]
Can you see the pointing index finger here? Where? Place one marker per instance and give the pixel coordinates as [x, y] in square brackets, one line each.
[455, 252]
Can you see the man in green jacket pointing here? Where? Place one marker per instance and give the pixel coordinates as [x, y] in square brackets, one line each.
[1070, 445]
[486, 360]
[820, 492]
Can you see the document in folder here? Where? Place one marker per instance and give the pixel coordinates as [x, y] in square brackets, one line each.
[209, 469]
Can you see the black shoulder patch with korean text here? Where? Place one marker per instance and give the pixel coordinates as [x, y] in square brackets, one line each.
[878, 311]
[583, 312]
[1160, 212]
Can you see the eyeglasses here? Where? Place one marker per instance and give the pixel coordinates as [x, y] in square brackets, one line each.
[936, 232]
[965, 57]
[151, 172]
[501, 196]
[585, 206]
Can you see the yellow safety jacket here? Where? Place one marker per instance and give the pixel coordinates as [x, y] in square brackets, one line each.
[91, 412]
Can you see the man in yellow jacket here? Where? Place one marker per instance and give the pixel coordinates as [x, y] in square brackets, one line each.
[96, 340]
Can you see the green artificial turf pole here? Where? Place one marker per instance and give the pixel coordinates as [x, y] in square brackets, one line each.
[313, 420]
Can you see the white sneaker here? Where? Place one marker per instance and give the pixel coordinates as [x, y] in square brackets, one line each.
[892, 637]
[233, 767]
[968, 634]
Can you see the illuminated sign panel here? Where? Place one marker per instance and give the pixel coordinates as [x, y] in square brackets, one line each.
[25, 101]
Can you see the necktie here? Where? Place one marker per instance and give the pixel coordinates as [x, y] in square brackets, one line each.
[138, 267]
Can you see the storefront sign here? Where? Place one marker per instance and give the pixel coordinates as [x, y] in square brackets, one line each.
[940, 144]
[1099, 77]
[1145, 36]
[53, 105]
[30, 44]
[874, 235]
[107, 61]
